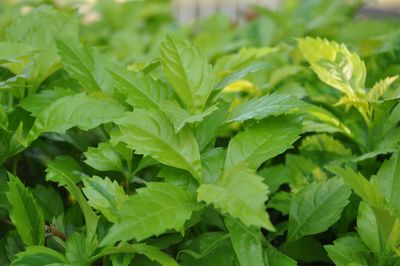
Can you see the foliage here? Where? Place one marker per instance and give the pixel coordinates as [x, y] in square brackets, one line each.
[128, 139]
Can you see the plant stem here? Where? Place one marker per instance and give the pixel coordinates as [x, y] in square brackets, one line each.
[51, 230]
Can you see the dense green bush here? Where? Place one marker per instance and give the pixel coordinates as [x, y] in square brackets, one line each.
[128, 139]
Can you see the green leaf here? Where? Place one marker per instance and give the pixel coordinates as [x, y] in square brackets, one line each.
[361, 186]
[273, 257]
[4, 205]
[105, 196]
[317, 207]
[104, 158]
[387, 180]
[207, 249]
[39, 256]
[188, 72]
[78, 250]
[262, 107]
[84, 65]
[65, 179]
[24, 213]
[302, 171]
[318, 119]
[323, 148]
[280, 201]
[232, 67]
[49, 201]
[246, 243]
[207, 131]
[240, 193]
[347, 250]
[180, 117]
[140, 90]
[179, 178]
[380, 87]
[275, 176]
[36, 103]
[149, 251]
[121, 259]
[152, 211]
[15, 56]
[3, 252]
[28, 29]
[213, 164]
[149, 132]
[307, 250]
[79, 110]
[263, 141]
[64, 165]
[335, 65]
[378, 229]
[14, 244]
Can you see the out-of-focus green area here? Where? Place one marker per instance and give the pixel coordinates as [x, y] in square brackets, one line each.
[131, 31]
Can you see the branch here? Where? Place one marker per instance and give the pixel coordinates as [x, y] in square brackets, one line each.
[52, 231]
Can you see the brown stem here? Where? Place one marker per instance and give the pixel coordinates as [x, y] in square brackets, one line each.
[51, 230]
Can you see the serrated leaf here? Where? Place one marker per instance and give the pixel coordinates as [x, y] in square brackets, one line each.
[380, 87]
[140, 90]
[246, 243]
[335, 64]
[317, 207]
[262, 107]
[152, 211]
[240, 193]
[188, 72]
[378, 228]
[84, 65]
[180, 117]
[79, 110]
[39, 256]
[388, 182]
[105, 195]
[322, 148]
[263, 141]
[149, 132]
[28, 29]
[65, 179]
[24, 213]
[104, 158]
[361, 186]
[347, 250]
[150, 252]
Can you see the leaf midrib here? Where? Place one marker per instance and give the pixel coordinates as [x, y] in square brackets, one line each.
[176, 151]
